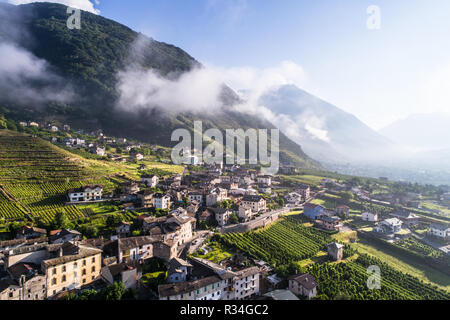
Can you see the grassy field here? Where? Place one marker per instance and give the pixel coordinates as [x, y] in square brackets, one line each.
[216, 253]
[435, 206]
[307, 179]
[421, 271]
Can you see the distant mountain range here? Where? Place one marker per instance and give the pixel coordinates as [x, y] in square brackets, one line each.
[73, 76]
[325, 132]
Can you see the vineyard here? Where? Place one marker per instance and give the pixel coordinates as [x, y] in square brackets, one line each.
[35, 176]
[350, 279]
[286, 241]
[415, 246]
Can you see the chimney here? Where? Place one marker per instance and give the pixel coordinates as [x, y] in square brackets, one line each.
[60, 252]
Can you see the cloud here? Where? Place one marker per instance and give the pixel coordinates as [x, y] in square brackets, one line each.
[27, 79]
[228, 13]
[195, 91]
[85, 5]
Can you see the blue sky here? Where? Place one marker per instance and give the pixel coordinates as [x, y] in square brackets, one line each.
[378, 75]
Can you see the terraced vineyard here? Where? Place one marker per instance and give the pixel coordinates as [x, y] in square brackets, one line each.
[281, 243]
[35, 176]
[351, 278]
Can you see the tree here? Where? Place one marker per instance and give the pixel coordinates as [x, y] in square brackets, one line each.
[60, 221]
[114, 292]
[2, 122]
[346, 197]
[234, 218]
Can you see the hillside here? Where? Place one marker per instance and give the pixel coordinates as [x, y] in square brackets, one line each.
[84, 64]
[35, 176]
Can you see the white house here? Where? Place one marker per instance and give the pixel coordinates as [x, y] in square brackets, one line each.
[293, 198]
[85, 194]
[196, 196]
[392, 225]
[245, 213]
[256, 203]
[150, 180]
[440, 230]
[161, 201]
[179, 270]
[264, 180]
[215, 196]
[369, 216]
[222, 216]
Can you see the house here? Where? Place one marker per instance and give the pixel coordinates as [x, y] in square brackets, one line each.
[100, 151]
[245, 213]
[179, 270]
[161, 201]
[123, 229]
[389, 226]
[30, 280]
[335, 251]
[279, 294]
[304, 190]
[267, 180]
[369, 216]
[264, 188]
[408, 218]
[329, 223]
[216, 195]
[145, 197]
[303, 285]
[70, 267]
[195, 196]
[440, 231]
[208, 288]
[254, 202]
[293, 198]
[9, 290]
[222, 215]
[86, 194]
[28, 232]
[150, 180]
[54, 129]
[127, 273]
[131, 187]
[206, 215]
[137, 156]
[193, 207]
[65, 235]
[313, 211]
[33, 124]
[342, 211]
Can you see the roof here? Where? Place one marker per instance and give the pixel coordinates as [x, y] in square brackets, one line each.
[5, 284]
[21, 268]
[312, 205]
[252, 198]
[306, 280]
[83, 252]
[335, 246]
[116, 269]
[439, 226]
[173, 289]
[83, 188]
[281, 295]
[135, 242]
[27, 229]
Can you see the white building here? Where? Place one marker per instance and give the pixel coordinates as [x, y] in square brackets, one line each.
[222, 216]
[86, 193]
[215, 196]
[256, 203]
[195, 196]
[150, 180]
[294, 198]
[245, 213]
[440, 230]
[369, 216]
[161, 201]
[264, 180]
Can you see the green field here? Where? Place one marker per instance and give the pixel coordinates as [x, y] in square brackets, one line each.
[403, 264]
[281, 243]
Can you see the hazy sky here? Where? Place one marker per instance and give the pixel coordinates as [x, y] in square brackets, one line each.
[378, 75]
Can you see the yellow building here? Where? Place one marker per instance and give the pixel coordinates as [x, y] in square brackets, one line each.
[72, 267]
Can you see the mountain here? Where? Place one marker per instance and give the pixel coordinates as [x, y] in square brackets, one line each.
[72, 76]
[423, 132]
[325, 132]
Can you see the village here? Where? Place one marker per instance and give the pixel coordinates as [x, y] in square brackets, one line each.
[168, 247]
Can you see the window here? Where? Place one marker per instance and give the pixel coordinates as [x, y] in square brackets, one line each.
[64, 278]
[93, 269]
[93, 260]
[10, 294]
[64, 269]
[84, 280]
[84, 262]
[84, 272]
[54, 281]
[54, 270]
